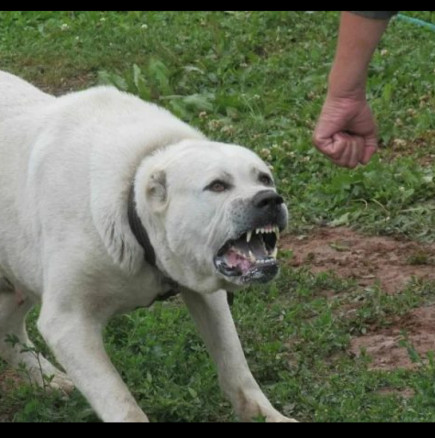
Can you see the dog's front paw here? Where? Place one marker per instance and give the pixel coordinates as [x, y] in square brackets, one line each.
[51, 379]
[61, 382]
[255, 405]
[276, 417]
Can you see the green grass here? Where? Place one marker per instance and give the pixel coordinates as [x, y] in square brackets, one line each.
[258, 79]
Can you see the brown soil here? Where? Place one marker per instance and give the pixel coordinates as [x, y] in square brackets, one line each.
[67, 85]
[383, 345]
[8, 379]
[386, 261]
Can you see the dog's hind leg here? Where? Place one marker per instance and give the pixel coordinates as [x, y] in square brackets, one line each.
[74, 334]
[15, 346]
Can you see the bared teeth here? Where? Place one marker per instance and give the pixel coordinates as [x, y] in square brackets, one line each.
[276, 231]
[266, 230]
[248, 236]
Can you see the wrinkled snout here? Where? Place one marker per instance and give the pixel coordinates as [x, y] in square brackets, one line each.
[249, 255]
[267, 199]
[268, 207]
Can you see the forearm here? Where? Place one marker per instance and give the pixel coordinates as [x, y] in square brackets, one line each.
[358, 38]
[346, 129]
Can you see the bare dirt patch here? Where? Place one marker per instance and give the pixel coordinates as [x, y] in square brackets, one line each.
[8, 379]
[384, 347]
[369, 260]
[404, 393]
[66, 85]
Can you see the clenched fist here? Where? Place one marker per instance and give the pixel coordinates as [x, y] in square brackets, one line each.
[346, 131]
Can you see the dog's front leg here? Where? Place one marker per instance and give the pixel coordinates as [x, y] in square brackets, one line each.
[75, 338]
[215, 323]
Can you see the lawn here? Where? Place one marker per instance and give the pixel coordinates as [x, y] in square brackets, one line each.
[259, 79]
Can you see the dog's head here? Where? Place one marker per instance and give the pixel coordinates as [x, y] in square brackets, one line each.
[212, 214]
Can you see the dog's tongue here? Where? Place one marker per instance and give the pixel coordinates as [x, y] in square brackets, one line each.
[244, 255]
[234, 258]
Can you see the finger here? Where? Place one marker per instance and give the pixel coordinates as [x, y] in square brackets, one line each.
[330, 148]
[328, 145]
[349, 157]
[352, 147]
[358, 148]
[338, 147]
[369, 150]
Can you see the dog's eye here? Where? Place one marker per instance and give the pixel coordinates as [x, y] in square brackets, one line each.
[265, 179]
[217, 186]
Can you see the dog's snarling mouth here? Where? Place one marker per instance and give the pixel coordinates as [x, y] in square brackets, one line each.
[251, 257]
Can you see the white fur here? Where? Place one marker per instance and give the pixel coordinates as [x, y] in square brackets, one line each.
[67, 165]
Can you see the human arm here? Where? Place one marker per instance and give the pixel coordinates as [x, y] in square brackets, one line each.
[346, 130]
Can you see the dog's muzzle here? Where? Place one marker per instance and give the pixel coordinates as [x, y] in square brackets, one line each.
[250, 257]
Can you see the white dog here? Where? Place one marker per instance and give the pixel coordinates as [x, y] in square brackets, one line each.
[108, 203]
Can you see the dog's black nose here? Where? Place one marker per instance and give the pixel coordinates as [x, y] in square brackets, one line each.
[267, 199]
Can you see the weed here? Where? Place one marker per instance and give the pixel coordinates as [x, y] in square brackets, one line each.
[14, 341]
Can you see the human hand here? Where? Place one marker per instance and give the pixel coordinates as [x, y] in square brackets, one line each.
[346, 131]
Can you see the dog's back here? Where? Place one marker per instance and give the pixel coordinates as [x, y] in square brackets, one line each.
[21, 105]
[16, 95]
[19, 102]
[48, 145]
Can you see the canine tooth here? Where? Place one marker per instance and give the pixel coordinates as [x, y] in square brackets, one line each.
[275, 252]
[248, 236]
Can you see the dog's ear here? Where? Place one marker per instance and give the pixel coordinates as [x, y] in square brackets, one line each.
[156, 190]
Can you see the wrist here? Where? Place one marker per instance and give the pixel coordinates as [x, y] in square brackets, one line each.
[345, 83]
